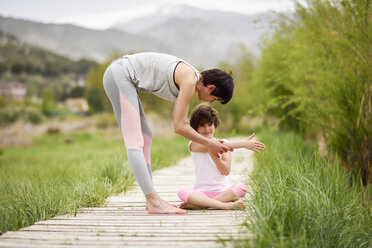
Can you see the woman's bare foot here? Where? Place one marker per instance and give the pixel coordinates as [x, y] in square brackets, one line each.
[171, 204]
[156, 205]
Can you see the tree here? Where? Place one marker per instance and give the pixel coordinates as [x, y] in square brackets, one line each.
[48, 103]
[95, 101]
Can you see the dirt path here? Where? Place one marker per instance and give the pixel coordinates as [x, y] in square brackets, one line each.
[125, 222]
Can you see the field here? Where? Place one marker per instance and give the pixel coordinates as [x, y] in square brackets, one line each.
[60, 173]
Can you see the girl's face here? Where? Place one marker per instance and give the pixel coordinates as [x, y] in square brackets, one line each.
[206, 129]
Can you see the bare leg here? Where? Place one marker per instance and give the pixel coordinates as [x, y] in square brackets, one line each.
[185, 205]
[156, 205]
[204, 201]
[226, 196]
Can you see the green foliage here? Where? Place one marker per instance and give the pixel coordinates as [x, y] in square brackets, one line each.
[55, 177]
[94, 87]
[317, 67]
[48, 103]
[95, 100]
[301, 200]
[33, 116]
[245, 93]
[152, 103]
[10, 115]
[77, 92]
[2, 102]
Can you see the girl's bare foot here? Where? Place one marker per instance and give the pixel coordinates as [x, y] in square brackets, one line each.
[239, 204]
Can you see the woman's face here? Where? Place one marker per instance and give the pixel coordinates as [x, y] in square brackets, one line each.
[206, 129]
[204, 93]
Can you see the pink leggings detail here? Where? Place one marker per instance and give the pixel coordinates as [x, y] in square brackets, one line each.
[238, 189]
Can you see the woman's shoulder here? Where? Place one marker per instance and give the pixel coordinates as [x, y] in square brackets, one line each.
[184, 74]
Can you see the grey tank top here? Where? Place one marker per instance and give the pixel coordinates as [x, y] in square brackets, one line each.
[153, 73]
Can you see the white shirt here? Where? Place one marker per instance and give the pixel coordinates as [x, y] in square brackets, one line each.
[208, 177]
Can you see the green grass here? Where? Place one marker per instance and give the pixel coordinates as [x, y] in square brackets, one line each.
[53, 177]
[301, 200]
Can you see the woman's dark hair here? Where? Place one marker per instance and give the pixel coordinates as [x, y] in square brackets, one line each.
[203, 113]
[223, 81]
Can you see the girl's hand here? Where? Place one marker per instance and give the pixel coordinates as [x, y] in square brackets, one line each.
[254, 145]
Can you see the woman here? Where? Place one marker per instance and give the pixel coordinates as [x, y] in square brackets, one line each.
[170, 78]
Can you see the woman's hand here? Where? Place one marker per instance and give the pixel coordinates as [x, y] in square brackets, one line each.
[217, 147]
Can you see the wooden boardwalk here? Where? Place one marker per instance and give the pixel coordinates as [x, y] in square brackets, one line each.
[124, 222]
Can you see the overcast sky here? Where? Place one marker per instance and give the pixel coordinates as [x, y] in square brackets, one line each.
[102, 14]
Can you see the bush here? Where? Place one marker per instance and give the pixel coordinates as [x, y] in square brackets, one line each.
[33, 116]
[48, 102]
[95, 100]
[11, 115]
[8, 116]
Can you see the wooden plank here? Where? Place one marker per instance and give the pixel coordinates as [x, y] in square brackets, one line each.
[112, 236]
[150, 230]
[71, 243]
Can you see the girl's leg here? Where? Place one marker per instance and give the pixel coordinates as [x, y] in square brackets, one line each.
[197, 199]
[226, 196]
[233, 193]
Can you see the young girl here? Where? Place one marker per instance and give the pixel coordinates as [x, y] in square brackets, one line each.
[212, 187]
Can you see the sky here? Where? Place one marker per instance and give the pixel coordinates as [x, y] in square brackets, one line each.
[98, 14]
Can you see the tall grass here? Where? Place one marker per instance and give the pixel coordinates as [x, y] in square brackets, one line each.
[54, 177]
[302, 200]
[316, 71]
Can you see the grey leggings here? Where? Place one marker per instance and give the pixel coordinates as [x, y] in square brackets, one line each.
[132, 122]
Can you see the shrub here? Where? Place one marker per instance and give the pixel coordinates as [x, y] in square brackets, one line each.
[8, 116]
[33, 116]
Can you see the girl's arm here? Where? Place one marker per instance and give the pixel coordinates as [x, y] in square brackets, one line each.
[247, 143]
[223, 164]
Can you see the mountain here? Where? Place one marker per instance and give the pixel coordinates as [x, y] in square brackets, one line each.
[203, 37]
[20, 58]
[77, 42]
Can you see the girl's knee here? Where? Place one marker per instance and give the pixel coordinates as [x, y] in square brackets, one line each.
[184, 193]
[239, 189]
